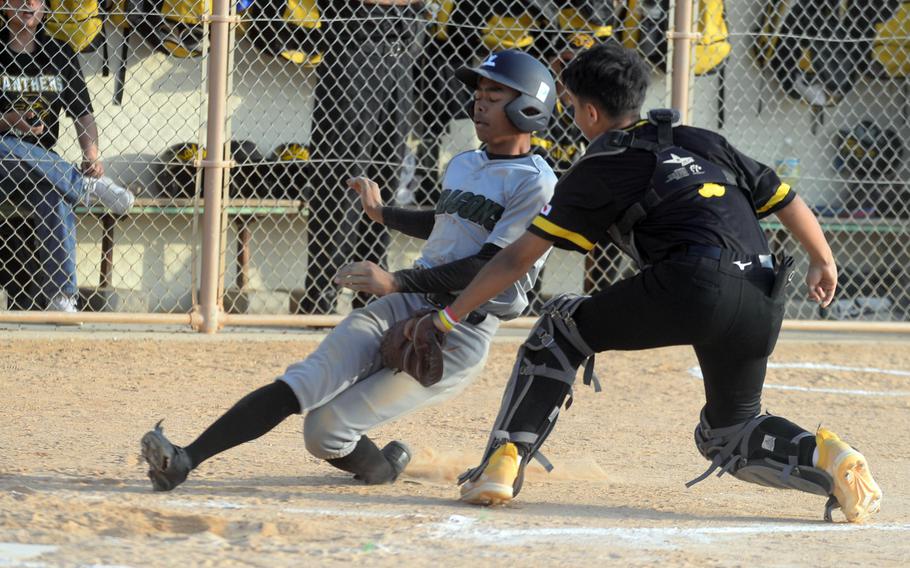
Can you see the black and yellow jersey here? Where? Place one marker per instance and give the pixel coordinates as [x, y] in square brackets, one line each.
[700, 191]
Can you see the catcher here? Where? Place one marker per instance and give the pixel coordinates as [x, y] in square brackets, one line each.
[707, 279]
[352, 383]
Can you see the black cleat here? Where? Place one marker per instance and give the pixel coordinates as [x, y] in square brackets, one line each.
[399, 456]
[168, 464]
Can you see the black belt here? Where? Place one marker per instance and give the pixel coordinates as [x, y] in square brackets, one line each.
[440, 301]
[716, 253]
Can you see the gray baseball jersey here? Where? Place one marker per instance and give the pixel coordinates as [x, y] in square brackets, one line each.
[343, 387]
[488, 201]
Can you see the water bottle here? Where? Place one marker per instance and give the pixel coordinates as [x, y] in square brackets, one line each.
[787, 166]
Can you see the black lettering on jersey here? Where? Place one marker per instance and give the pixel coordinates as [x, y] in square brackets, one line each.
[475, 208]
[471, 206]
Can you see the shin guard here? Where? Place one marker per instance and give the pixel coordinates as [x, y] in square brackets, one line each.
[555, 328]
[729, 449]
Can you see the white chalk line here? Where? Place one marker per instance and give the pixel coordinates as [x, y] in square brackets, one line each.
[696, 372]
[14, 553]
[484, 530]
[468, 528]
[830, 367]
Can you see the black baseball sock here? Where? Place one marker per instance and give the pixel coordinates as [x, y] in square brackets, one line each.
[252, 416]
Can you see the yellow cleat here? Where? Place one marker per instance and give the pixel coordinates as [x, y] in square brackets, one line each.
[857, 493]
[494, 486]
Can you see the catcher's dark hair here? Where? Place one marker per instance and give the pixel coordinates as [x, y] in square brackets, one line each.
[611, 76]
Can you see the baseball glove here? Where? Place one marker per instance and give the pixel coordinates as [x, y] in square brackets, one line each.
[415, 346]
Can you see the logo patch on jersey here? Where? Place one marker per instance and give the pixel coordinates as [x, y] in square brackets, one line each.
[676, 174]
[742, 265]
[545, 210]
[711, 190]
[475, 208]
[681, 160]
[696, 169]
[490, 61]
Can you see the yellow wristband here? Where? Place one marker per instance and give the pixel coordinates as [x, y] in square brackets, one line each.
[446, 322]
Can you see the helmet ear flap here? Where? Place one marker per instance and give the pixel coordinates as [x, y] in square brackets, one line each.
[527, 114]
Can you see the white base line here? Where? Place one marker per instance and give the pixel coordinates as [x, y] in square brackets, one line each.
[485, 530]
[458, 526]
[14, 553]
[696, 372]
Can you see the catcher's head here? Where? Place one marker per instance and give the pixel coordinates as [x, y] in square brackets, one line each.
[607, 85]
[514, 94]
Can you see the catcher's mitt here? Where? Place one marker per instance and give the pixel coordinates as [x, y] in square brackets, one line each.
[414, 346]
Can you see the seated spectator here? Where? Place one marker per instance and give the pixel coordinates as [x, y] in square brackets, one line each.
[39, 77]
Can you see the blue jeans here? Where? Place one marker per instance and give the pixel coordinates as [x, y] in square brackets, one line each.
[51, 187]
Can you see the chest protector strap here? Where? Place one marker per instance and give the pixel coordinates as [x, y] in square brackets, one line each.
[678, 172]
[621, 231]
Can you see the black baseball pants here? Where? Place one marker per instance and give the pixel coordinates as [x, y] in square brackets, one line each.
[731, 317]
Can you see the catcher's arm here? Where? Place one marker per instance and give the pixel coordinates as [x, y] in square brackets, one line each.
[821, 277]
[505, 269]
[370, 196]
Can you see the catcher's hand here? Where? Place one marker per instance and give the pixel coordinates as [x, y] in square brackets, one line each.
[415, 346]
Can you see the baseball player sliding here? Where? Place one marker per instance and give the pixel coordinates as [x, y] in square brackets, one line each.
[351, 383]
[692, 203]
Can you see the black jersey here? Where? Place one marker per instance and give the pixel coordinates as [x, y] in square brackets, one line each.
[723, 212]
[45, 82]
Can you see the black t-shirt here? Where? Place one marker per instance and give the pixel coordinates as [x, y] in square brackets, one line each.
[46, 81]
[597, 191]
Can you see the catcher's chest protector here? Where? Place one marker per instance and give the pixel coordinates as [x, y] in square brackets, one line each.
[680, 175]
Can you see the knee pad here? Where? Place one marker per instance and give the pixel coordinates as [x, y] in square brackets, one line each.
[541, 355]
[729, 449]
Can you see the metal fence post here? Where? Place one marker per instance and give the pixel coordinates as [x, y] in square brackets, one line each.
[214, 166]
[681, 36]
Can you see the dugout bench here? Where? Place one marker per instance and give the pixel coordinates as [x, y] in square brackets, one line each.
[242, 212]
[871, 254]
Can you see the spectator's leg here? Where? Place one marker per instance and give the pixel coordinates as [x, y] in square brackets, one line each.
[55, 229]
[50, 186]
[65, 178]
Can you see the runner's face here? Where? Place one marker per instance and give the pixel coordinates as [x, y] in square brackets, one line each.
[490, 120]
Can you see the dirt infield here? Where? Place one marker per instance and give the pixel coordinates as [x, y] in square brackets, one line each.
[73, 491]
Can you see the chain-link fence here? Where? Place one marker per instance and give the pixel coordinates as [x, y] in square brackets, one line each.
[818, 89]
[318, 91]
